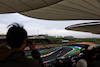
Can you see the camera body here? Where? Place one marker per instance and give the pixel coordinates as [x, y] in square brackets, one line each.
[28, 42]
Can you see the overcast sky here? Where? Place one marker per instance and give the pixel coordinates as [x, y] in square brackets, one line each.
[38, 26]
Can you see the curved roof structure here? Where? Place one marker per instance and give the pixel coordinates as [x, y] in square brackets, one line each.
[53, 9]
[92, 27]
[10, 6]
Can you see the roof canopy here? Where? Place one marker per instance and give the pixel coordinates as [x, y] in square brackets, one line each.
[10, 6]
[53, 9]
[92, 27]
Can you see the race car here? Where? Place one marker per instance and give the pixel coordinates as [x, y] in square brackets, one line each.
[58, 55]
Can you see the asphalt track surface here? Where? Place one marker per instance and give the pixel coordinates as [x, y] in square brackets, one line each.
[54, 55]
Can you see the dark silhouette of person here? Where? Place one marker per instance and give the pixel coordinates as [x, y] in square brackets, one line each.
[15, 57]
[57, 63]
[85, 52]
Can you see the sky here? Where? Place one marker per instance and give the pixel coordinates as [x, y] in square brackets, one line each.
[35, 26]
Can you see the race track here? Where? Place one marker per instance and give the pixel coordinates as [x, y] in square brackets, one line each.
[54, 56]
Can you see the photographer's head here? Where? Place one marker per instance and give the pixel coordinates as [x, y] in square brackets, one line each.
[16, 35]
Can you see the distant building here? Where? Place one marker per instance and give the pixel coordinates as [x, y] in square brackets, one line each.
[68, 37]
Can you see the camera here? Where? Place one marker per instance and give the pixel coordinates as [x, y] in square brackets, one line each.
[28, 42]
